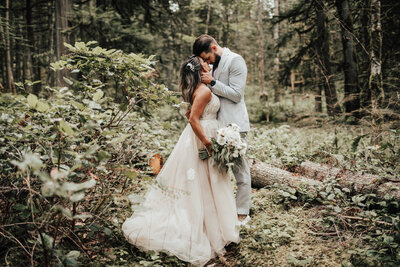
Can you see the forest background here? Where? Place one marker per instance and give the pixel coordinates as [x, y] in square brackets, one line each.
[88, 97]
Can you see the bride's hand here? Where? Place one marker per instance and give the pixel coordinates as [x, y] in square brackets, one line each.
[208, 145]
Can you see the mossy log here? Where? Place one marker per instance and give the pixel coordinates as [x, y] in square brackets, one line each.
[263, 174]
[357, 181]
[310, 174]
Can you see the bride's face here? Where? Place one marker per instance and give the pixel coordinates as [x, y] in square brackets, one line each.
[205, 66]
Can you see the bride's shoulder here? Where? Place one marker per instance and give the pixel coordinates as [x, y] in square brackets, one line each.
[202, 92]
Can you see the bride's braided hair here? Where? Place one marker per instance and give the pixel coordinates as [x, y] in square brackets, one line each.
[189, 77]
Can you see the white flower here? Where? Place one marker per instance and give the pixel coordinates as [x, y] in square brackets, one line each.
[234, 126]
[174, 7]
[235, 153]
[221, 140]
[190, 65]
[191, 174]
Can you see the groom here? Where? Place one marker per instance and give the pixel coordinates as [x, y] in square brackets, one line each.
[228, 80]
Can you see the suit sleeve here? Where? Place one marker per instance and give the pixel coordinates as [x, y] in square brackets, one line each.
[234, 90]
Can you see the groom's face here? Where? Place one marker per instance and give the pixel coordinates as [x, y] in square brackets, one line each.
[211, 57]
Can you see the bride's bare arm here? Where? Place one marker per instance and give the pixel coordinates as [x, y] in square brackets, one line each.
[201, 97]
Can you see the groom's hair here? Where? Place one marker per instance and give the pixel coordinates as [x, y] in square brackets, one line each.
[203, 44]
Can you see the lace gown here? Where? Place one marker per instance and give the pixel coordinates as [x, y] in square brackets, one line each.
[191, 212]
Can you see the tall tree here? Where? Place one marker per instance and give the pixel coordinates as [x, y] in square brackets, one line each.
[351, 86]
[260, 46]
[63, 10]
[323, 54]
[208, 16]
[227, 25]
[318, 89]
[276, 52]
[29, 34]
[365, 93]
[10, 79]
[375, 45]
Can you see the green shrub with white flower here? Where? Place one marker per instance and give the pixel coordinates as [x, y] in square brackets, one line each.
[67, 155]
[227, 149]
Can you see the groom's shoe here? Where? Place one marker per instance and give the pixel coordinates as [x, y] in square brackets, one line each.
[244, 221]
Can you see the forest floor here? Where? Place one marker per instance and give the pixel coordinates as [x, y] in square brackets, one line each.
[277, 236]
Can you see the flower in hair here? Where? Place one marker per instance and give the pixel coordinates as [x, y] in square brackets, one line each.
[190, 65]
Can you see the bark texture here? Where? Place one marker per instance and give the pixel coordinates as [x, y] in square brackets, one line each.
[359, 182]
[322, 53]
[10, 80]
[260, 46]
[351, 86]
[312, 174]
[276, 52]
[376, 39]
[263, 174]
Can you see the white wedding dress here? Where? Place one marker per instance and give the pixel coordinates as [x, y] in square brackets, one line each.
[191, 212]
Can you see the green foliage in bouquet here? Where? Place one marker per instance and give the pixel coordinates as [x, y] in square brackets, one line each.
[227, 149]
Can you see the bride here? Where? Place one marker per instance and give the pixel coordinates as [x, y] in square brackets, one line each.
[191, 212]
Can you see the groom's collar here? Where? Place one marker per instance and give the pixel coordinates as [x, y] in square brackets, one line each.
[225, 52]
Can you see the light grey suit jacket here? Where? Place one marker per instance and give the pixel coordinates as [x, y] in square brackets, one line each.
[231, 75]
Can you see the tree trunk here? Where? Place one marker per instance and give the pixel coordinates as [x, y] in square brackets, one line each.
[62, 11]
[32, 62]
[10, 79]
[208, 16]
[365, 97]
[3, 55]
[351, 87]
[322, 48]
[292, 85]
[318, 89]
[311, 175]
[260, 47]
[375, 45]
[227, 24]
[357, 181]
[263, 174]
[276, 52]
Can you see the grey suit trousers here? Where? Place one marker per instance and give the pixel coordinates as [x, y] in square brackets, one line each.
[243, 182]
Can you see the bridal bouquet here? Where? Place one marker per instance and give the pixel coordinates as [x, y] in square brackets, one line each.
[227, 149]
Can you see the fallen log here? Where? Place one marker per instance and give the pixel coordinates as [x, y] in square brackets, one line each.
[357, 181]
[263, 174]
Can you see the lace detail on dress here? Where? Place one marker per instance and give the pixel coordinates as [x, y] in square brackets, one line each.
[211, 109]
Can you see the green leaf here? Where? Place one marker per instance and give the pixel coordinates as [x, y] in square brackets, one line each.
[68, 81]
[98, 95]
[42, 106]
[82, 216]
[78, 105]
[103, 155]
[73, 254]
[47, 240]
[77, 197]
[131, 174]
[70, 47]
[19, 207]
[32, 100]
[65, 128]
[74, 187]
[107, 231]
[64, 211]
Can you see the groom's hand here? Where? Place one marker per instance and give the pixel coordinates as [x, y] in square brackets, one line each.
[206, 77]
